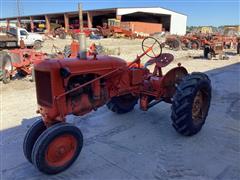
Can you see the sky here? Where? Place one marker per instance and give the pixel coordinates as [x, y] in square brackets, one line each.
[199, 12]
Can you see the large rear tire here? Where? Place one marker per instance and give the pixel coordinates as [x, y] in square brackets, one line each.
[57, 148]
[191, 104]
[122, 104]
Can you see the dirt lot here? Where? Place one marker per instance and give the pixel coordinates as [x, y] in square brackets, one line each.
[137, 145]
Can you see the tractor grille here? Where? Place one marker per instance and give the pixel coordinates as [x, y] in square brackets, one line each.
[44, 88]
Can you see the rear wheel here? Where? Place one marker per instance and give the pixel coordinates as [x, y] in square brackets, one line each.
[57, 148]
[191, 104]
[37, 45]
[62, 35]
[122, 104]
[31, 136]
[6, 69]
[67, 51]
[207, 52]
[75, 36]
[195, 45]
[210, 56]
[176, 44]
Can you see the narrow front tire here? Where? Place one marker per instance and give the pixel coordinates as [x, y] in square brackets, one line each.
[31, 136]
[57, 148]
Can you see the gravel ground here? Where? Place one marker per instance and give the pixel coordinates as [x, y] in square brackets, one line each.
[137, 145]
[128, 48]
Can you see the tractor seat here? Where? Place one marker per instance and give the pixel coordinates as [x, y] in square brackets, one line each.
[162, 61]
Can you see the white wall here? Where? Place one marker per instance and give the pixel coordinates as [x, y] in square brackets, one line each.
[178, 22]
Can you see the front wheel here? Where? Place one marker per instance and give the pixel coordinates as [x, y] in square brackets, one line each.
[122, 104]
[57, 148]
[31, 136]
[191, 103]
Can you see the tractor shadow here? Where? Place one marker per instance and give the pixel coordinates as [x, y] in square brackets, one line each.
[115, 142]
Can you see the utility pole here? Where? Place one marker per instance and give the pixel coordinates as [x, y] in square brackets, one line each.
[80, 13]
[18, 13]
[18, 8]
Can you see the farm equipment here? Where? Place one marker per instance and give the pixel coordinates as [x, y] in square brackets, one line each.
[238, 45]
[77, 86]
[21, 61]
[175, 42]
[228, 41]
[104, 30]
[114, 28]
[58, 30]
[18, 61]
[213, 48]
[183, 42]
[74, 33]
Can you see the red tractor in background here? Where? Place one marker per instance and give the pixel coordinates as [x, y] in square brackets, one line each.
[18, 61]
[74, 33]
[77, 86]
[21, 61]
[115, 28]
[212, 46]
[183, 42]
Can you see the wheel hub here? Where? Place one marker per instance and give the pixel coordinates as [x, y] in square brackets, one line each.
[197, 113]
[194, 46]
[61, 150]
[8, 66]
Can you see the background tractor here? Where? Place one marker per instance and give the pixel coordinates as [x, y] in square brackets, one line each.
[18, 61]
[77, 86]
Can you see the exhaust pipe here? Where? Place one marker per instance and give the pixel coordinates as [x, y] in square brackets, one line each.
[82, 36]
[83, 46]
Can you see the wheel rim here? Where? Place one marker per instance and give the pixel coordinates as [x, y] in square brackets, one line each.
[8, 66]
[176, 44]
[194, 46]
[199, 107]
[61, 150]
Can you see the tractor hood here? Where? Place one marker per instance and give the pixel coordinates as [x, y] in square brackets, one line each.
[101, 64]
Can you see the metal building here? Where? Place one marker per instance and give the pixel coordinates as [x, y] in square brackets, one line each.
[169, 21]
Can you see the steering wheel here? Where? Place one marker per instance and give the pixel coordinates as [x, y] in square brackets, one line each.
[151, 47]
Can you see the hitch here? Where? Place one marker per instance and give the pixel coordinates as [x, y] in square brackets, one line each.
[154, 103]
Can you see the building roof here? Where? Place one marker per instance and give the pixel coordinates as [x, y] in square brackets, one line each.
[85, 11]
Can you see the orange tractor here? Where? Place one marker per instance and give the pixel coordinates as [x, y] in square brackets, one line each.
[77, 86]
[182, 42]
